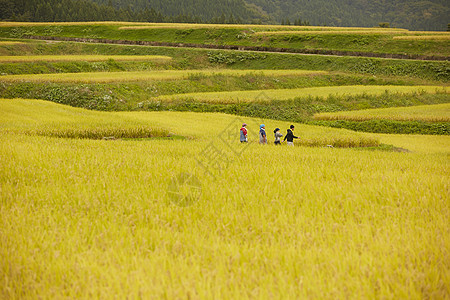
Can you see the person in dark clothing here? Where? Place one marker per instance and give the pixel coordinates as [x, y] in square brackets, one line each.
[289, 137]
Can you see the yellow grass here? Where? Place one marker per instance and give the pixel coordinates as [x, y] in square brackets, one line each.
[7, 43]
[427, 113]
[428, 32]
[255, 27]
[423, 37]
[54, 58]
[284, 94]
[365, 31]
[16, 24]
[20, 115]
[93, 219]
[105, 77]
[144, 25]
[192, 26]
[430, 144]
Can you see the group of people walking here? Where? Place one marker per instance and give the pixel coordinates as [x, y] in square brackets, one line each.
[289, 137]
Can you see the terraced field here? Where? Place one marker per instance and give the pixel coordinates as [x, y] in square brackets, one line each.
[380, 42]
[285, 94]
[427, 113]
[58, 58]
[158, 198]
[105, 77]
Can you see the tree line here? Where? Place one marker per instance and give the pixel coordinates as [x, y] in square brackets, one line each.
[409, 14]
[85, 10]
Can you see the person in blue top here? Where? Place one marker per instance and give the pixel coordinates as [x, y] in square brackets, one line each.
[262, 134]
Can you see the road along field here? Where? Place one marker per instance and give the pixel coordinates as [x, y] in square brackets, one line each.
[98, 218]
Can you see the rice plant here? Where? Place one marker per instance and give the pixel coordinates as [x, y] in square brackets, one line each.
[284, 94]
[91, 58]
[106, 77]
[84, 218]
[426, 113]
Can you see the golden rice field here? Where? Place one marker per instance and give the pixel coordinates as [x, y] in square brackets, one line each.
[105, 77]
[19, 115]
[397, 34]
[89, 58]
[7, 43]
[171, 205]
[96, 219]
[364, 31]
[423, 37]
[283, 29]
[14, 24]
[427, 113]
[430, 144]
[145, 25]
[285, 94]
[257, 29]
[252, 26]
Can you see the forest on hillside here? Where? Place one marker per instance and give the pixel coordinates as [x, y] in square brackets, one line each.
[409, 14]
[86, 10]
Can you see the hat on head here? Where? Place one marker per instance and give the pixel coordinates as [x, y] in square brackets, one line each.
[262, 125]
[245, 124]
